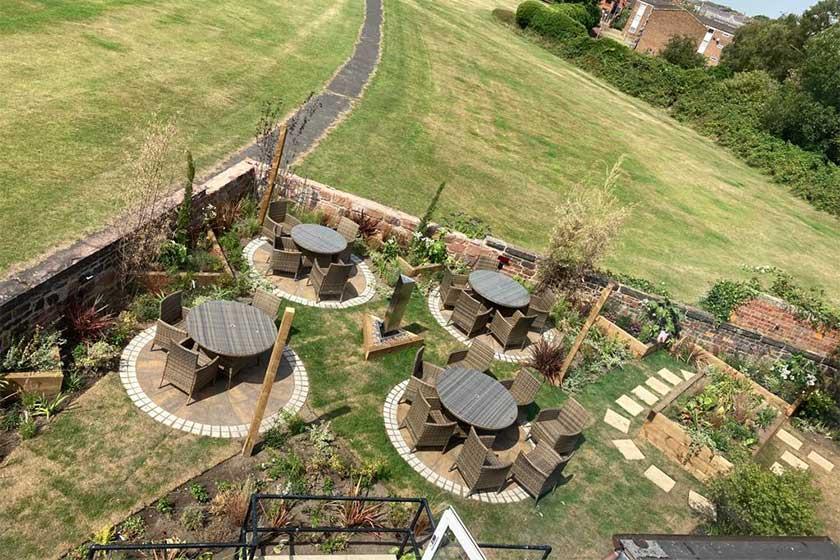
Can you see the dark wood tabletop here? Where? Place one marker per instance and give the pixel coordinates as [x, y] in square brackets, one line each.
[476, 398]
[232, 329]
[317, 239]
[499, 289]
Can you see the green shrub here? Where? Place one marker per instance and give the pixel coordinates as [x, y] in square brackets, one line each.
[555, 24]
[124, 327]
[199, 493]
[471, 226]
[193, 518]
[35, 353]
[753, 501]
[232, 247]
[819, 405]
[94, 358]
[173, 255]
[27, 429]
[725, 296]
[165, 506]
[146, 307]
[588, 15]
[526, 12]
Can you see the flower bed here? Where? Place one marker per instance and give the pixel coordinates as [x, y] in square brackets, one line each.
[636, 346]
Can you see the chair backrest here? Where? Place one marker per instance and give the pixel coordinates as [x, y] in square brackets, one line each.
[483, 262]
[468, 305]
[291, 221]
[542, 302]
[573, 414]
[266, 302]
[480, 356]
[521, 326]
[181, 361]
[285, 260]
[418, 413]
[338, 274]
[277, 210]
[473, 455]
[348, 229]
[288, 243]
[525, 385]
[171, 310]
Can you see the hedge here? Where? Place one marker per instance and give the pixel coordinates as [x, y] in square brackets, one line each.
[588, 15]
[525, 12]
[548, 21]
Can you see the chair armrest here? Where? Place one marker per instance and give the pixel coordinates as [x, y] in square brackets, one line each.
[547, 414]
[456, 356]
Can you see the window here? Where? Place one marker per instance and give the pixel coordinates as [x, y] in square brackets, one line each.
[637, 19]
[706, 40]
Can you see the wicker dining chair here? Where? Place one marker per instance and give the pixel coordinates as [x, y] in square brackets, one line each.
[289, 222]
[274, 218]
[331, 281]
[478, 356]
[560, 428]
[423, 373]
[524, 387]
[266, 302]
[470, 315]
[168, 329]
[349, 230]
[484, 262]
[539, 471]
[511, 332]
[183, 370]
[540, 307]
[286, 262]
[451, 287]
[479, 466]
[427, 425]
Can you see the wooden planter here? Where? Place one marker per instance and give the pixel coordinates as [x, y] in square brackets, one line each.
[614, 332]
[157, 280]
[415, 271]
[46, 383]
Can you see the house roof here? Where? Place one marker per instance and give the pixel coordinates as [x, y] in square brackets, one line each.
[670, 5]
[697, 547]
[717, 24]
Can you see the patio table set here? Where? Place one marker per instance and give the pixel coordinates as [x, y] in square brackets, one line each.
[296, 246]
[216, 337]
[462, 403]
[487, 300]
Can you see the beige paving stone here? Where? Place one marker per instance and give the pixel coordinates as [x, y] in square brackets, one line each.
[645, 396]
[777, 468]
[632, 407]
[820, 461]
[687, 374]
[628, 449]
[617, 421]
[794, 461]
[789, 439]
[657, 385]
[701, 504]
[669, 376]
[659, 478]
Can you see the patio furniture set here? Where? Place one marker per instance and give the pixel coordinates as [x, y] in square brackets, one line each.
[215, 337]
[487, 300]
[461, 403]
[326, 252]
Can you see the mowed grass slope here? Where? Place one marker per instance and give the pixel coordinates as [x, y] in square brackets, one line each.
[462, 98]
[82, 78]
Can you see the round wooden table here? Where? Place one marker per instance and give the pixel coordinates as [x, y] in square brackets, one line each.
[318, 240]
[476, 399]
[231, 329]
[499, 289]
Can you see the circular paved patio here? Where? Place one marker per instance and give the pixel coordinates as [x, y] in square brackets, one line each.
[217, 411]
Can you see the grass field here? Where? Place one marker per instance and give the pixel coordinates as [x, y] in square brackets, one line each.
[81, 78]
[462, 98]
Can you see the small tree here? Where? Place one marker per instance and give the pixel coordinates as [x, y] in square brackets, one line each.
[682, 51]
[182, 226]
[588, 221]
[754, 501]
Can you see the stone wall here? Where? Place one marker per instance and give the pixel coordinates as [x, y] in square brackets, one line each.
[88, 268]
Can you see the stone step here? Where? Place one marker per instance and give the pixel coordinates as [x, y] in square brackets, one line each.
[669, 376]
[657, 386]
[629, 405]
[617, 421]
[628, 449]
[662, 480]
[789, 439]
[794, 461]
[645, 396]
[687, 374]
[820, 461]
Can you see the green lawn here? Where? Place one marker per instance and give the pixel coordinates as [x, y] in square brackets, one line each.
[81, 78]
[605, 494]
[462, 98]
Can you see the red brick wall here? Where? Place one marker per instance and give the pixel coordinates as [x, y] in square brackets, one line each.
[664, 24]
[771, 317]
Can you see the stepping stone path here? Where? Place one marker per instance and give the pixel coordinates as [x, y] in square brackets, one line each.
[789, 439]
[701, 504]
[657, 386]
[628, 449]
[686, 374]
[617, 421]
[632, 407]
[659, 478]
[645, 396]
[820, 461]
[777, 468]
[669, 376]
[794, 461]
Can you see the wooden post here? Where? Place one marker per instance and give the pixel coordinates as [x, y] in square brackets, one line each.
[272, 174]
[584, 330]
[268, 381]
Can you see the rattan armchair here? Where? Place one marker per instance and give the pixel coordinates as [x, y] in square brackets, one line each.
[427, 424]
[483, 262]
[289, 222]
[286, 262]
[480, 468]
[168, 330]
[539, 471]
[331, 281]
[272, 225]
[478, 356]
[423, 375]
[511, 332]
[470, 315]
[560, 428]
[349, 230]
[540, 307]
[266, 302]
[524, 387]
[182, 369]
[451, 288]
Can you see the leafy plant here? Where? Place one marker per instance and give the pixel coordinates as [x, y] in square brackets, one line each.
[321, 436]
[173, 255]
[726, 295]
[369, 472]
[278, 514]
[599, 355]
[36, 353]
[662, 321]
[146, 306]
[335, 543]
[232, 247]
[547, 357]
[367, 225]
[27, 429]
[89, 322]
[124, 327]
[133, 528]
[165, 506]
[425, 249]
[471, 226]
[232, 503]
[193, 518]
[73, 381]
[105, 535]
[360, 513]
[46, 407]
[199, 492]
[96, 357]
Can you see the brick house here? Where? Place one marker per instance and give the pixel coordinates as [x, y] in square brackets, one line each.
[652, 23]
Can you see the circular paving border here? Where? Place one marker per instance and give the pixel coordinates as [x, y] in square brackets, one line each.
[436, 309]
[512, 495]
[128, 376]
[370, 282]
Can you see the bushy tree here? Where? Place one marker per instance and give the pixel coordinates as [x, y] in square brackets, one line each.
[821, 69]
[682, 51]
[774, 46]
[182, 225]
[819, 17]
[792, 114]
